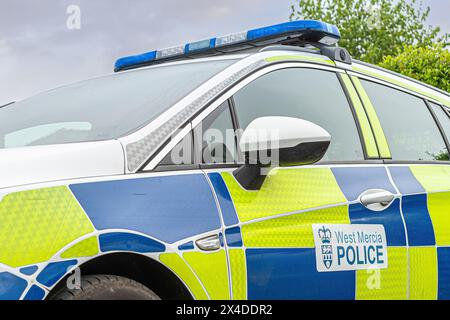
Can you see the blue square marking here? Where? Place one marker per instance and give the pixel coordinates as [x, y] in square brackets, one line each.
[233, 236]
[418, 221]
[291, 274]
[390, 218]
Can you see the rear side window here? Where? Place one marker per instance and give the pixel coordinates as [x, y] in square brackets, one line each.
[309, 94]
[408, 125]
[214, 140]
[181, 154]
[216, 137]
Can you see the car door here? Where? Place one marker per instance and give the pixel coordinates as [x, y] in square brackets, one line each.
[278, 236]
[198, 259]
[417, 134]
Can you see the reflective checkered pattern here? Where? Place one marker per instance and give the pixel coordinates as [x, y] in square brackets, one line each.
[385, 284]
[212, 270]
[175, 263]
[85, 248]
[423, 273]
[291, 231]
[285, 191]
[239, 274]
[38, 223]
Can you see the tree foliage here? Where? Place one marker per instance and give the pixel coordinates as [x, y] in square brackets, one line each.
[373, 29]
[430, 65]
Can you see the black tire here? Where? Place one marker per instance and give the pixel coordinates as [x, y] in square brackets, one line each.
[106, 287]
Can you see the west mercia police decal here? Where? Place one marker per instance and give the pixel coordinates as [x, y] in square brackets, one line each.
[343, 247]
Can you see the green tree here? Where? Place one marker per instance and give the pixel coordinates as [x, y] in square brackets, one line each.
[373, 29]
[427, 64]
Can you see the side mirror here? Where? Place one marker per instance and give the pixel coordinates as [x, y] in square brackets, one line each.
[279, 141]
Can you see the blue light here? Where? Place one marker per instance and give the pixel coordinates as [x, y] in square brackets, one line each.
[294, 26]
[135, 60]
[307, 30]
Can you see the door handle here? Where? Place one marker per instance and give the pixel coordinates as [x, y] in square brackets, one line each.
[376, 199]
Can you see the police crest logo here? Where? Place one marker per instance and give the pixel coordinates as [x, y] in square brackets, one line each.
[326, 247]
[350, 247]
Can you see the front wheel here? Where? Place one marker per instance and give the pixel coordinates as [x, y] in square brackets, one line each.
[107, 287]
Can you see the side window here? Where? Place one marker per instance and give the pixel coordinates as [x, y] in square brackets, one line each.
[408, 125]
[443, 116]
[181, 154]
[215, 137]
[308, 94]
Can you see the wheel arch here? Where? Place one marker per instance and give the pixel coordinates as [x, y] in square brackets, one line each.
[147, 271]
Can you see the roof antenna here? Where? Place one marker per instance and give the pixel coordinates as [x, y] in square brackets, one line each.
[334, 53]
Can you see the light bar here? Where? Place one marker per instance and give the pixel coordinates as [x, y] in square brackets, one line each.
[306, 30]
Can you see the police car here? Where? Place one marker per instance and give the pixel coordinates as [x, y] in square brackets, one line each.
[265, 164]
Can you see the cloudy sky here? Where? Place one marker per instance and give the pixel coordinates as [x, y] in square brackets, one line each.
[39, 52]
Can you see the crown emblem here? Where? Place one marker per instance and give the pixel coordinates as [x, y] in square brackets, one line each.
[325, 235]
[326, 248]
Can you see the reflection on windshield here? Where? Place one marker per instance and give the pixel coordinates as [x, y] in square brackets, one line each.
[48, 134]
[441, 156]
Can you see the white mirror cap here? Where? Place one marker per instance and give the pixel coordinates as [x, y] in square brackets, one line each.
[279, 133]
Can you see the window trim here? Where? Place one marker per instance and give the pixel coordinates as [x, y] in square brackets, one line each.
[198, 141]
[374, 121]
[446, 110]
[356, 120]
[391, 85]
[176, 167]
[396, 74]
[236, 126]
[427, 162]
[438, 123]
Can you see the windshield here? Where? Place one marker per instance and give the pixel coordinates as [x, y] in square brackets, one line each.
[102, 108]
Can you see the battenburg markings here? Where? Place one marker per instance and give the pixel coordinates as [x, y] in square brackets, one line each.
[344, 247]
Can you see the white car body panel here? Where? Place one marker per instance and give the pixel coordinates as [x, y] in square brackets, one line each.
[28, 165]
